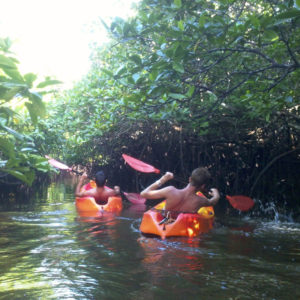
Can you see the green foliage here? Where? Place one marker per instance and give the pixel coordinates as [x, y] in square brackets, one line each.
[18, 152]
[215, 77]
[179, 60]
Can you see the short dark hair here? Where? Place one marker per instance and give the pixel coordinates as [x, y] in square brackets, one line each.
[200, 176]
[100, 179]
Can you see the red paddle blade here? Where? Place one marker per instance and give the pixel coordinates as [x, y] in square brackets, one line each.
[240, 202]
[135, 198]
[57, 164]
[139, 165]
[132, 197]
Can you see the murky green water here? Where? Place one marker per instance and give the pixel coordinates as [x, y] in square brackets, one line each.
[47, 251]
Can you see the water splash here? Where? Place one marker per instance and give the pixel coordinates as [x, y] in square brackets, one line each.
[272, 211]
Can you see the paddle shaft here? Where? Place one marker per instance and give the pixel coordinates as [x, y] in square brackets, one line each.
[76, 172]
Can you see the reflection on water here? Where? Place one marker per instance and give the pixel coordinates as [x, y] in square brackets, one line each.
[49, 251]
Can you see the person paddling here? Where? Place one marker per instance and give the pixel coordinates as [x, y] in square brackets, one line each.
[184, 200]
[100, 192]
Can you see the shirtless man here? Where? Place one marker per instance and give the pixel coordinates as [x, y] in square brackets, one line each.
[100, 193]
[183, 200]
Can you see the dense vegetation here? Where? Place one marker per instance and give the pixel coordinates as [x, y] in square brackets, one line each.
[183, 84]
[21, 106]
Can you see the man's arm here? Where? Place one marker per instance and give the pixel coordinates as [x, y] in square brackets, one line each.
[113, 192]
[117, 190]
[78, 193]
[153, 191]
[215, 196]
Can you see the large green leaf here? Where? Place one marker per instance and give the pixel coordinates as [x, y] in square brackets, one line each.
[290, 14]
[7, 62]
[8, 94]
[109, 73]
[122, 69]
[177, 96]
[5, 44]
[136, 58]
[7, 147]
[13, 132]
[271, 35]
[190, 92]
[30, 78]
[27, 177]
[177, 3]
[178, 67]
[7, 112]
[39, 163]
[14, 74]
[37, 107]
[48, 82]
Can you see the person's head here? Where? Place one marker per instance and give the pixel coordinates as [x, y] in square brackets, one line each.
[200, 178]
[100, 179]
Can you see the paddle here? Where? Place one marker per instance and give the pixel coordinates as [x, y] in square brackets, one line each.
[239, 202]
[139, 165]
[59, 165]
[143, 167]
[131, 197]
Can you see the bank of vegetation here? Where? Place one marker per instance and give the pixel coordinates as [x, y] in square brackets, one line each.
[181, 84]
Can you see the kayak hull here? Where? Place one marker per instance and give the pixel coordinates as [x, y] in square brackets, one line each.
[88, 204]
[186, 224]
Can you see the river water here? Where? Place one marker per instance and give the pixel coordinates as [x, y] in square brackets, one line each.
[48, 251]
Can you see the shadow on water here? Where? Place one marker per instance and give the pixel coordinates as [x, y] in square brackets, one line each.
[49, 251]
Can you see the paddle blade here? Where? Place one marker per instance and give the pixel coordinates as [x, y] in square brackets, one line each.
[57, 164]
[135, 198]
[132, 197]
[139, 165]
[240, 202]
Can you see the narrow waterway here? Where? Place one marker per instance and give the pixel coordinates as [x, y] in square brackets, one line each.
[48, 251]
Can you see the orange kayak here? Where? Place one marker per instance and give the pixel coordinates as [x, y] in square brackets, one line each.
[89, 204]
[186, 224]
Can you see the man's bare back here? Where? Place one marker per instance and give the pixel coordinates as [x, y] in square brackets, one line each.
[180, 200]
[101, 193]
